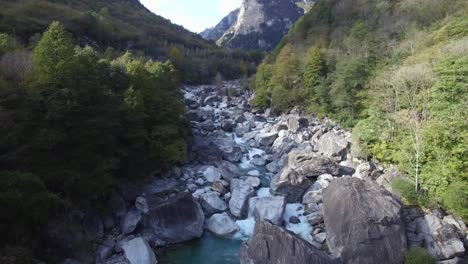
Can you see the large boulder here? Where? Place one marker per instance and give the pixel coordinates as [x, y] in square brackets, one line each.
[137, 251]
[272, 244]
[221, 224]
[211, 203]
[440, 238]
[270, 208]
[241, 192]
[363, 222]
[296, 177]
[228, 170]
[130, 221]
[387, 178]
[177, 220]
[266, 139]
[332, 145]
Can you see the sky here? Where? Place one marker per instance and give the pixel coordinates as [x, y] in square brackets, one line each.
[194, 15]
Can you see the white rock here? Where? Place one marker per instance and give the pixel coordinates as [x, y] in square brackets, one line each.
[270, 208]
[221, 224]
[137, 251]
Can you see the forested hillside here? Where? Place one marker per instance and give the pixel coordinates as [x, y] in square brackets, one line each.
[397, 72]
[125, 25]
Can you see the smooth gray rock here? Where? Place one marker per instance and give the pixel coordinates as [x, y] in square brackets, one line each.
[211, 203]
[363, 222]
[177, 220]
[270, 208]
[211, 174]
[240, 195]
[389, 175]
[232, 153]
[272, 244]
[303, 165]
[228, 170]
[332, 145]
[266, 139]
[364, 171]
[130, 221]
[221, 224]
[137, 251]
[440, 239]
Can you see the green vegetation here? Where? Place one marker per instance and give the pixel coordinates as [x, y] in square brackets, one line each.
[125, 25]
[417, 255]
[394, 71]
[76, 125]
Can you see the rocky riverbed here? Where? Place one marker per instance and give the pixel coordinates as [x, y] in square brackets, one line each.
[285, 185]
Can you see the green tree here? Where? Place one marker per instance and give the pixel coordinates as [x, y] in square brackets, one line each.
[314, 74]
[26, 205]
[53, 54]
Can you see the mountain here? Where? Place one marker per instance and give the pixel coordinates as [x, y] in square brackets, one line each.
[122, 25]
[260, 24]
[217, 31]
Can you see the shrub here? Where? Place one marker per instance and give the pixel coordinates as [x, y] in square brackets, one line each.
[408, 193]
[456, 198]
[25, 204]
[417, 255]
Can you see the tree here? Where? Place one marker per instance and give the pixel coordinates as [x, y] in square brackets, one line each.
[314, 73]
[287, 70]
[53, 54]
[414, 84]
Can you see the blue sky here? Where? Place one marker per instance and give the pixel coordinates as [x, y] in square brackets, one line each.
[194, 15]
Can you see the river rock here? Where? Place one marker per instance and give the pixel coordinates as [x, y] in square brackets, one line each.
[221, 224]
[141, 204]
[211, 203]
[295, 123]
[130, 221]
[389, 175]
[232, 153]
[332, 145]
[294, 180]
[93, 226]
[266, 139]
[440, 239]
[272, 244]
[177, 220]
[228, 170]
[137, 251]
[211, 174]
[240, 195]
[211, 100]
[270, 208]
[363, 222]
[364, 171]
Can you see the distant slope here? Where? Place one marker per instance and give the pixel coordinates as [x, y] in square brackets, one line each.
[217, 31]
[122, 25]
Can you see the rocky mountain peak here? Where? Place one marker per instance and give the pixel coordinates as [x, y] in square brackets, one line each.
[258, 24]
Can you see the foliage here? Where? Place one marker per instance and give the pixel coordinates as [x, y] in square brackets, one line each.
[409, 195]
[26, 204]
[123, 25]
[79, 124]
[417, 255]
[395, 71]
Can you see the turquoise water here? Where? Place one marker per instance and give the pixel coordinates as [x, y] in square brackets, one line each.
[209, 249]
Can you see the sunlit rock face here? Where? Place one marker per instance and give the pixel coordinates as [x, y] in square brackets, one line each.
[261, 24]
[217, 31]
